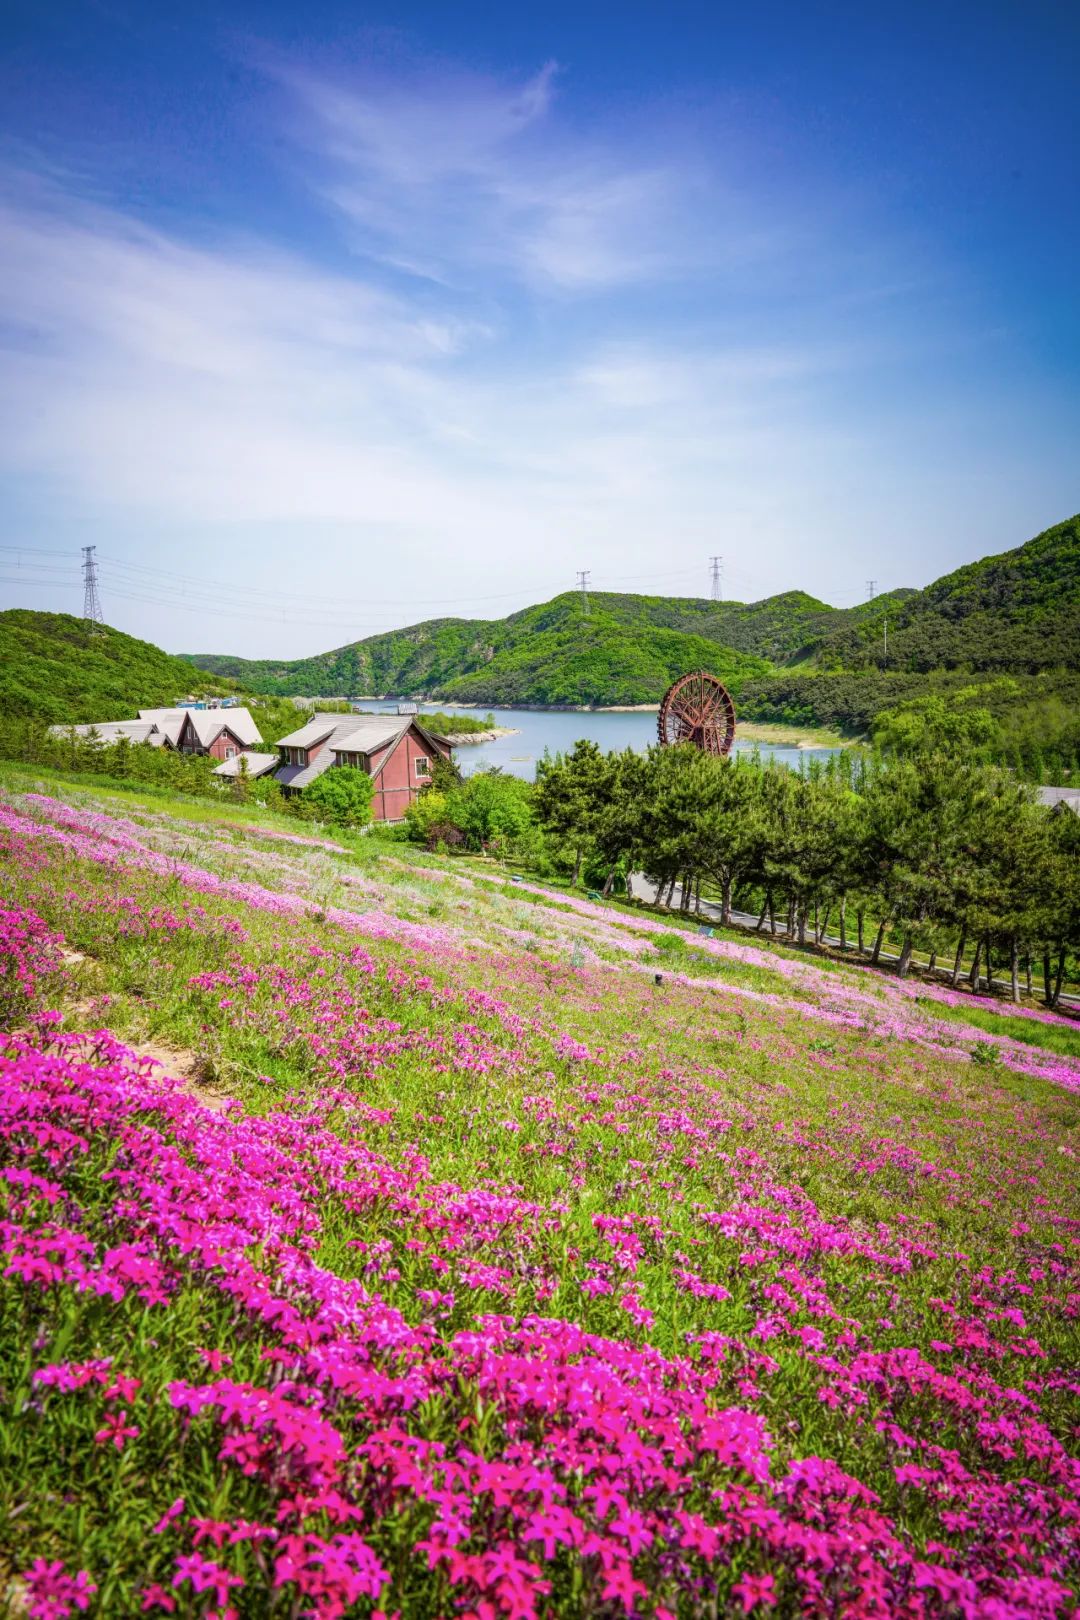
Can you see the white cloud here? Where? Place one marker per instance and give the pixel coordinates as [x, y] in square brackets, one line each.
[454, 176]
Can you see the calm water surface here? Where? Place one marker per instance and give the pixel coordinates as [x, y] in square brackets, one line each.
[538, 730]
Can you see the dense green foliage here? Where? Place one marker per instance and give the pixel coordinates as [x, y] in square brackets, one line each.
[1015, 613]
[625, 650]
[52, 666]
[941, 849]
[1035, 718]
[341, 797]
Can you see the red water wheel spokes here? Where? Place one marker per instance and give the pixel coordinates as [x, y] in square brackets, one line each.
[698, 709]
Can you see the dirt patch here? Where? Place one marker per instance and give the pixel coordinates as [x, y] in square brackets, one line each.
[187, 1067]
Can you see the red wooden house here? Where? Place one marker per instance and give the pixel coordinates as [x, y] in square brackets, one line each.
[396, 752]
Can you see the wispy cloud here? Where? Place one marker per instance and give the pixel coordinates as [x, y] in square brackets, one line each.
[451, 175]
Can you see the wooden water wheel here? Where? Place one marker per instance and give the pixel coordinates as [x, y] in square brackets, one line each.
[698, 709]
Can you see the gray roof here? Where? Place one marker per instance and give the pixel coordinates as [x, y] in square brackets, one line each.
[314, 730]
[1053, 796]
[110, 731]
[208, 723]
[350, 733]
[301, 776]
[346, 734]
[257, 764]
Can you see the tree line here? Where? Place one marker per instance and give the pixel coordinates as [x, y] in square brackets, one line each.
[948, 856]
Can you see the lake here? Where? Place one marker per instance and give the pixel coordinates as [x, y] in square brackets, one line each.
[540, 729]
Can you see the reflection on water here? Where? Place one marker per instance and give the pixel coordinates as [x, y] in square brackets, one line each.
[537, 731]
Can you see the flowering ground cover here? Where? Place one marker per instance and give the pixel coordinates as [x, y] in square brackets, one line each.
[462, 1269]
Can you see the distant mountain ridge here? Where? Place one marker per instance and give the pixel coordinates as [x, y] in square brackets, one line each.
[1015, 613]
[625, 649]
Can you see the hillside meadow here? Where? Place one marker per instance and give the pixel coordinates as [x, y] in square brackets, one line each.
[384, 1236]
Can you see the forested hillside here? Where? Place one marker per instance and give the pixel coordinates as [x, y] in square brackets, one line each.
[1016, 613]
[626, 649]
[53, 668]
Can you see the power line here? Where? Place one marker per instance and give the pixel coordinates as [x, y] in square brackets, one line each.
[716, 574]
[91, 596]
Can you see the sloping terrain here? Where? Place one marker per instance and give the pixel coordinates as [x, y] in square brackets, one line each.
[626, 649]
[1016, 613]
[52, 666]
[469, 1269]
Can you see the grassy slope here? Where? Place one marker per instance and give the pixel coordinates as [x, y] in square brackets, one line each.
[878, 1196]
[52, 667]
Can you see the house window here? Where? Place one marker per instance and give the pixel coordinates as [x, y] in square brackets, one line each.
[423, 765]
[230, 752]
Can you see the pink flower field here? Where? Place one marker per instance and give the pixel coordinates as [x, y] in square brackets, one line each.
[381, 1239]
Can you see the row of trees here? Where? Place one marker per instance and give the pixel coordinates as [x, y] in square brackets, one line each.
[943, 853]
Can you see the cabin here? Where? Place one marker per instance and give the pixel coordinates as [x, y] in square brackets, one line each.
[247, 763]
[221, 733]
[397, 752]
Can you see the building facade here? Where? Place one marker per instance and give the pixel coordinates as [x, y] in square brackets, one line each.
[396, 752]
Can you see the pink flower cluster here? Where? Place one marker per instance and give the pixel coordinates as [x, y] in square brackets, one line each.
[566, 1460]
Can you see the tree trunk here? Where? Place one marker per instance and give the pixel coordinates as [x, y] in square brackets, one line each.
[609, 880]
[801, 913]
[875, 954]
[725, 900]
[905, 957]
[766, 907]
[843, 922]
[697, 897]
[1046, 978]
[790, 918]
[958, 964]
[989, 968]
[824, 924]
[578, 863]
[1058, 977]
[1027, 974]
[931, 965]
[859, 920]
[1014, 970]
[815, 922]
[973, 976]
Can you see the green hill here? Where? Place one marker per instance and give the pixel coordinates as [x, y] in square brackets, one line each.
[1017, 613]
[52, 667]
[627, 649]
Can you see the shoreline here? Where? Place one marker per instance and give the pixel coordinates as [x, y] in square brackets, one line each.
[461, 739]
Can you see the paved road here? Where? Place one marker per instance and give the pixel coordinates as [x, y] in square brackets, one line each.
[645, 890]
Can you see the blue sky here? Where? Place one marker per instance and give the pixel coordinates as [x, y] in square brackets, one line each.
[318, 322]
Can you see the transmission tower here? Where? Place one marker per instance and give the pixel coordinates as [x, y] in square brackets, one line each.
[583, 586]
[716, 577]
[91, 597]
[871, 589]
